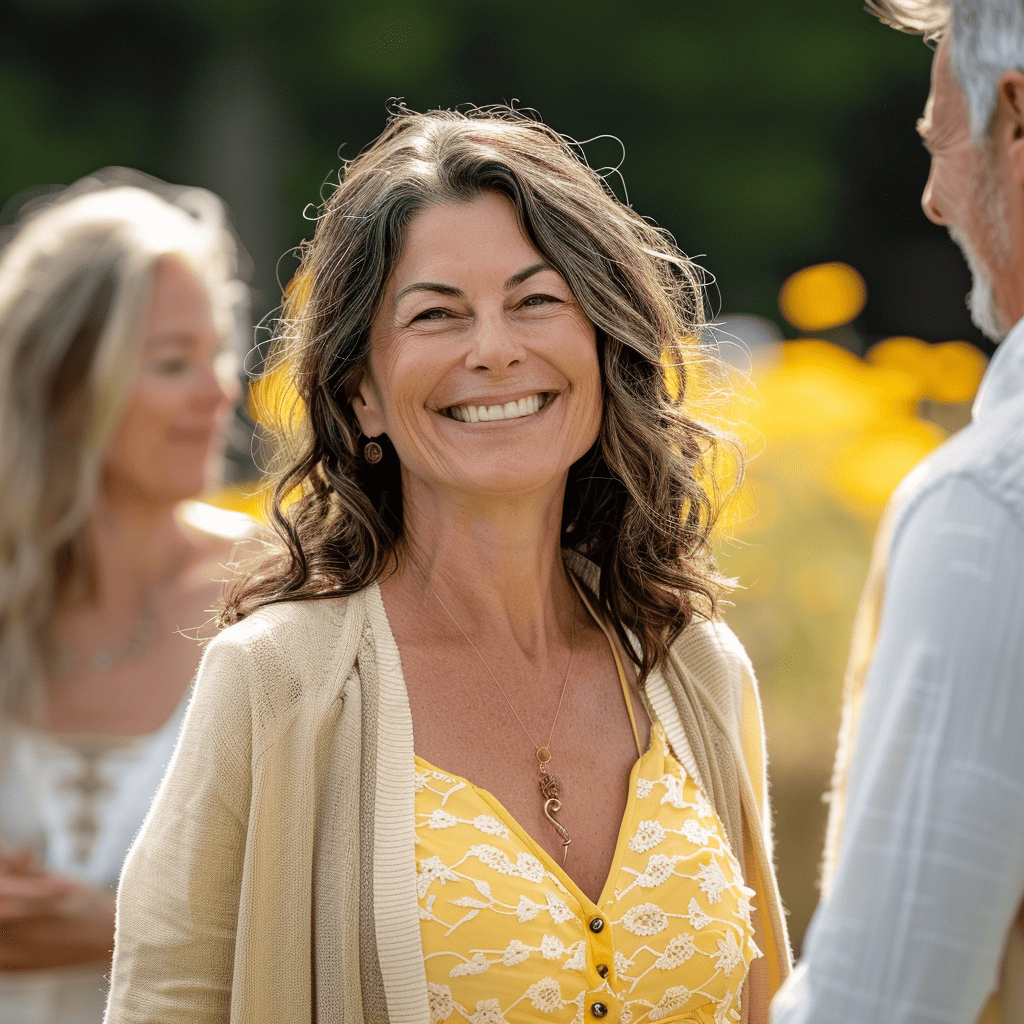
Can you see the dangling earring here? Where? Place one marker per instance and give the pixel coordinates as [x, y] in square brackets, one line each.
[373, 452]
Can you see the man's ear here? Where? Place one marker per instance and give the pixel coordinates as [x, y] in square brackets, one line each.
[367, 406]
[1010, 120]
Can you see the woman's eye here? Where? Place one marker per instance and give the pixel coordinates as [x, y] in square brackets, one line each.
[432, 314]
[538, 300]
[171, 365]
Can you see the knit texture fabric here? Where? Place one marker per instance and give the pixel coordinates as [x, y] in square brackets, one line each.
[274, 878]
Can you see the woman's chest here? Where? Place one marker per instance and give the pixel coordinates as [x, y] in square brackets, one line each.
[77, 802]
[471, 731]
[146, 677]
[505, 930]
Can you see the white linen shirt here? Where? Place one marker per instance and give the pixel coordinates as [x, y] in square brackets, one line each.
[931, 864]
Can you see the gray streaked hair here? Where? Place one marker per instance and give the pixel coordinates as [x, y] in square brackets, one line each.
[986, 39]
[75, 281]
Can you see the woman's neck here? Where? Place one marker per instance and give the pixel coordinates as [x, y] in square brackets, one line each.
[134, 548]
[491, 565]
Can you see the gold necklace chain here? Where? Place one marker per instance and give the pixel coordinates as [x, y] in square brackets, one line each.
[111, 656]
[550, 784]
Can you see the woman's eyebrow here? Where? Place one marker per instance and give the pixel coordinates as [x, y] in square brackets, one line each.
[522, 275]
[430, 286]
[457, 293]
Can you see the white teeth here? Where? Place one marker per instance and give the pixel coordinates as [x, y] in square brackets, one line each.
[508, 411]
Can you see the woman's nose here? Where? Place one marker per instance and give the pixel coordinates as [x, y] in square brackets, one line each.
[218, 383]
[496, 345]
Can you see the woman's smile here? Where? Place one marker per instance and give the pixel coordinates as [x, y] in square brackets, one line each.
[489, 412]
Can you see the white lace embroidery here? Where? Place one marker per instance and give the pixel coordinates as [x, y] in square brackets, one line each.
[697, 918]
[488, 1011]
[545, 995]
[666, 849]
[679, 949]
[712, 880]
[646, 919]
[439, 998]
[648, 834]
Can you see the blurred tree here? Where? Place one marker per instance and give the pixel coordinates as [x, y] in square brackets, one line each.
[764, 136]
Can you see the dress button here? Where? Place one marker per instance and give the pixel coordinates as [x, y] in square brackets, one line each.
[602, 969]
[596, 925]
[599, 1009]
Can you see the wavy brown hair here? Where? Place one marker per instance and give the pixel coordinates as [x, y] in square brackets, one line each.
[640, 503]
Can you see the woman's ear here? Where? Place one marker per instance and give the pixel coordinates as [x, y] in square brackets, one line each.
[367, 406]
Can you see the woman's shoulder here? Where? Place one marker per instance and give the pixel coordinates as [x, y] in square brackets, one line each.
[707, 648]
[301, 629]
[218, 537]
[281, 658]
[710, 645]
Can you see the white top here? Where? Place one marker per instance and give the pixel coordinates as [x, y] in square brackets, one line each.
[931, 864]
[77, 801]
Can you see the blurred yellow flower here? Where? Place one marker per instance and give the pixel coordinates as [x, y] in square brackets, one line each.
[274, 402]
[845, 428]
[823, 296]
[949, 372]
[868, 467]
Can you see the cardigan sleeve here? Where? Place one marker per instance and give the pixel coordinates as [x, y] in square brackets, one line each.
[177, 903]
[752, 740]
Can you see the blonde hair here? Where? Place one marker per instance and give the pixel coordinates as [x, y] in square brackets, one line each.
[75, 283]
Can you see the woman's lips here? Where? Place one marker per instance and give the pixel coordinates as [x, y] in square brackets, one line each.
[518, 409]
[191, 435]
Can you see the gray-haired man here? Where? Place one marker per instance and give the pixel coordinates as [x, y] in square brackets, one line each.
[920, 919]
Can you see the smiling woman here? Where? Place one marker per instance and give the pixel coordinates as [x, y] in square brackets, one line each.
[477, 745]
[117, 307]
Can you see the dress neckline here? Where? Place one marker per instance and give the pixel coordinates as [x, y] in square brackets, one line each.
[607, 894]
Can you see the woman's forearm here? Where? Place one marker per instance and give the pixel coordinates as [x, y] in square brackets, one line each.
[80, 932]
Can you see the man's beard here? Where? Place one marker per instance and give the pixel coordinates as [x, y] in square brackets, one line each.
[981, 300]
[991, 210]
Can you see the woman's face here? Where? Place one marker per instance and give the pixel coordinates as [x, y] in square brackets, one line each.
[483, 370]
[160, 450]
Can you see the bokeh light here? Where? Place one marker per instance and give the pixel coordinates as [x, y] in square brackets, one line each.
[273, 402]
[824, 296]
[949, 372]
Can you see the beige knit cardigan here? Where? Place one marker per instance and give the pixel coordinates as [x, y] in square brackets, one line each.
[274, 879]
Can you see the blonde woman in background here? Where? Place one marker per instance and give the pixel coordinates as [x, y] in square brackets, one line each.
[119, 322]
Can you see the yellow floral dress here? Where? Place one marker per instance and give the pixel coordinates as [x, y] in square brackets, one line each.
[509, 937]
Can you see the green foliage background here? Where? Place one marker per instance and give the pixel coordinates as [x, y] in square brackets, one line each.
[764, 136]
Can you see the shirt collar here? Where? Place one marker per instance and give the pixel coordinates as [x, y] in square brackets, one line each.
[1004, 378]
